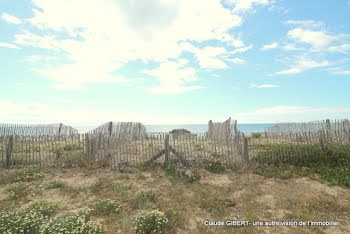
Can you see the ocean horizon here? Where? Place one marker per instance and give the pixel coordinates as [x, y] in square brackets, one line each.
[194, 128]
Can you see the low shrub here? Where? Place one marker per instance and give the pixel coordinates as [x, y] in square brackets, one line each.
[56, 185]
[187, 177]
[43, 207]
[214, 166]
[151, 196]
[17, 191]
[105, 207]
[28, 220]
[73, 222]
[256, 134]
[23, 175]
[330, 164]
[150, 222]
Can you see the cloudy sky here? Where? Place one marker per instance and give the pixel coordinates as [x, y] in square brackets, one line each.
[174, 61]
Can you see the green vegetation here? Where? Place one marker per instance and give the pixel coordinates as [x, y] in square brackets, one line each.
[105, 207]
[332, 164]
[214, 166]
[17, 191]
[28, 220]
[174, 174]
[150, 222]
[23, 175]
[256, 134]
[73, 222]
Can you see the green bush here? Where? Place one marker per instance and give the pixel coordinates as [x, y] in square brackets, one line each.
[181, 175]
[17, 191]
[256, 134]
[56, 184]
[105, 207]
[28, 220]
[73, 222]
[43, 207]
[192, 177]
[214, 166]
[21, 222]
[331, 164]
[23, 175]
[151, 196]
[150, 222]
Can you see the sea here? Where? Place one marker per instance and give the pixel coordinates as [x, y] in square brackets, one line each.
[194, 128]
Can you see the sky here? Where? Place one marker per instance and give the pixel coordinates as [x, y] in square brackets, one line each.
[174, 61]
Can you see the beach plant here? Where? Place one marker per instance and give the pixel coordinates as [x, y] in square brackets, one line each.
[174, 174]
[17, 191]
[256, 134]
[214, 166]
[43, 207]
[73, 222]
[151, 196]
[23, 175]
[330, 163]
[153, 221]
[28, 220]
[105, 207]
[56, 185]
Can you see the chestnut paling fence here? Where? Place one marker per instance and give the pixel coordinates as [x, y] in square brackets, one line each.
[116, 144]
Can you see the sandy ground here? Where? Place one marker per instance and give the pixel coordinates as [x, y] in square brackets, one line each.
[253, 198]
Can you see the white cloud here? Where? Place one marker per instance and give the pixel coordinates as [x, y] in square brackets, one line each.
[270, 46]
[73, 76]
[240, 50]
[31, 39]
[289, 47]
[237, 60]
[263, 86]
[246, 5]
[317, 39]
[303, 64]
[306, 23]
[7, 45]
[344, 48]
[207, 56]
[117, 32]
[173, 78]
[344, 72]
[10, 18]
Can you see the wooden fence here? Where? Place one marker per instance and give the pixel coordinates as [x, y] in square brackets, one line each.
[36, 130]
[111, 149]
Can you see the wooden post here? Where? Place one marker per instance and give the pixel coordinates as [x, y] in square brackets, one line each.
[321, 136]
[87, 146]
[328, 125]
[166, 144]
[9, 151]
[245, 149]
[60, 129]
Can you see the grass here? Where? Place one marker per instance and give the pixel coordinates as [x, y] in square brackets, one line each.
[22, 175]
[112, 202]
[331, 164]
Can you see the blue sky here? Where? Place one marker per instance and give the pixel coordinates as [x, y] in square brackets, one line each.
[174, 61]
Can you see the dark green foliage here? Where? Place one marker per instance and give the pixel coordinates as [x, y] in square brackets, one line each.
[331, 164]
[214, 166]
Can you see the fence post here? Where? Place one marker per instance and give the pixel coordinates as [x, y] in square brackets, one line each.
[328, 125]
[167, 150]
[245, 149]
[60, 129]
[9, 151]
[87, 147]
[321, 135]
